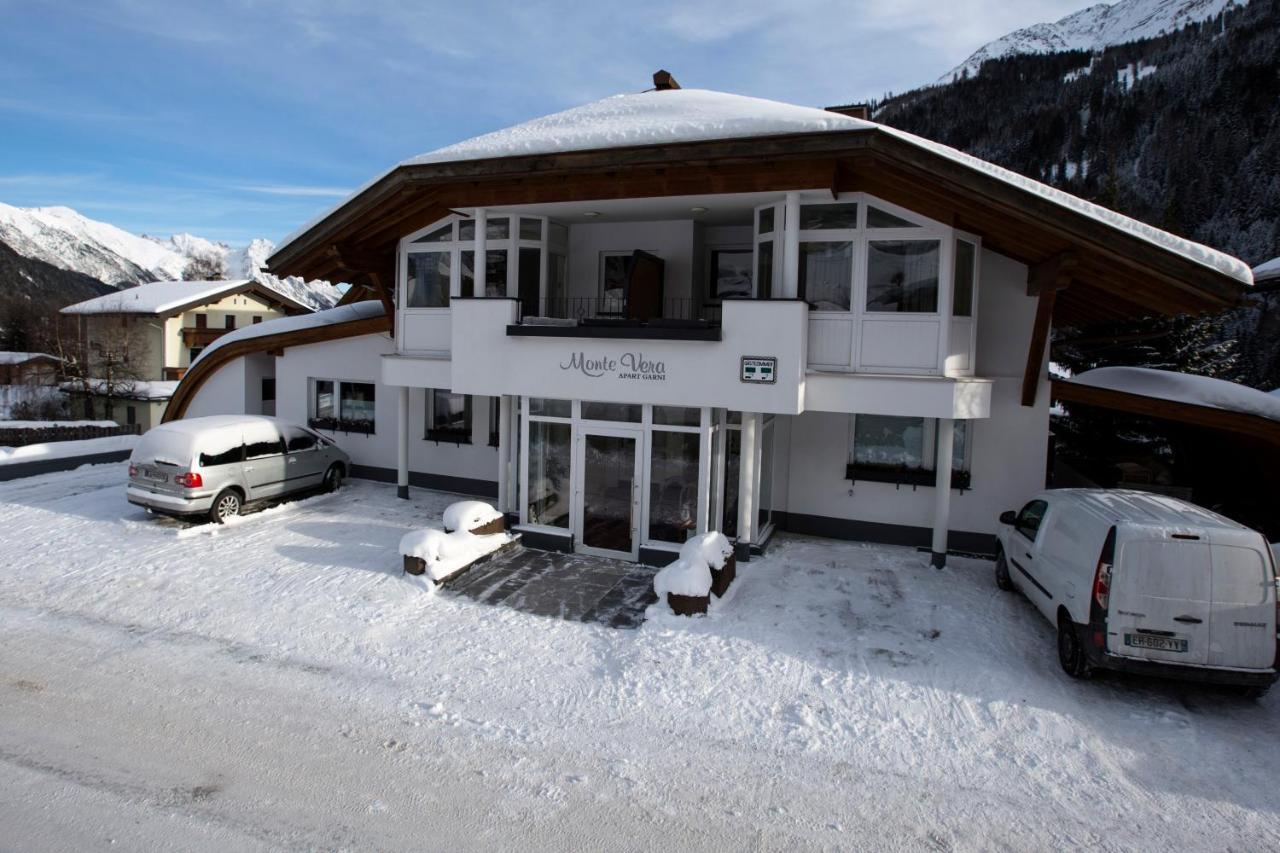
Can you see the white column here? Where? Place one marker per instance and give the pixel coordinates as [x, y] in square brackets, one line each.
[746, 485]
[481, 266]
[942, 489]
[504, 454]
[402, 444]
[791, 247]
[705, 468]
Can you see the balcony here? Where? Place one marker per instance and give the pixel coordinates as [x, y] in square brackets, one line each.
[583, 317]
[197, 337]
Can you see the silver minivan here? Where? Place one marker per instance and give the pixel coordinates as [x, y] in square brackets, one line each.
[215, 465]
[1139, 582]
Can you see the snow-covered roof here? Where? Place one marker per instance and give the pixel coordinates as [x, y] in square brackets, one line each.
[132, 389]
[1183, 388]
[24, 357]
[157, 297]
[328, 317]
[1267, 271]
[696, 115]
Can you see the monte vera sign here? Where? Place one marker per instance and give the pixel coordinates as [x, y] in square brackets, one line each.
[629, 365]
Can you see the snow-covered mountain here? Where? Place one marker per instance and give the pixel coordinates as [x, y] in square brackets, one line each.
[1095, 28]
[69, 240]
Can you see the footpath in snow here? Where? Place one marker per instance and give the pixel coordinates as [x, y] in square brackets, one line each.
[278, 682]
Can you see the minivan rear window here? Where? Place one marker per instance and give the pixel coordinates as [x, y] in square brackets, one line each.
[225, 457]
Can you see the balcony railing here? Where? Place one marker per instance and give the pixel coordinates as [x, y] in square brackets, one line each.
[615, 311]
[194, 336]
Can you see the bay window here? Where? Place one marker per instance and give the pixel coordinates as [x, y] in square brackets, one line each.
[902, 275]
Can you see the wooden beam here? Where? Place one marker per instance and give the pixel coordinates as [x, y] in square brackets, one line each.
[388, 304]
[1053, 274]
[1065, 391]
[1039, 340]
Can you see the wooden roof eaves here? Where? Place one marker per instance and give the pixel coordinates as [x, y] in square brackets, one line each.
[1154, 407]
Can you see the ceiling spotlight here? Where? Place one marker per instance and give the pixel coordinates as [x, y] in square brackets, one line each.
[592, 214]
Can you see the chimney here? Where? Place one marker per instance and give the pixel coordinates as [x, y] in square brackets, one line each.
[862, 111]
[663, 81]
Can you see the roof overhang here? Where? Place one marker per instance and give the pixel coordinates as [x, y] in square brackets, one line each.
[1115, 274]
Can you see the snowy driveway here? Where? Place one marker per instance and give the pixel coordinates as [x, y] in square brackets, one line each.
[279, 684]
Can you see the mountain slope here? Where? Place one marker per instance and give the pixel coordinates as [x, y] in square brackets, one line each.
[1180, 131]
[1094, 28]
[66, 239]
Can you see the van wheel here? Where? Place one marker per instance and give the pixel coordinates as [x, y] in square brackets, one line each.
[1002, 572]
[333, 478]
[225, 505]
[1070, 651]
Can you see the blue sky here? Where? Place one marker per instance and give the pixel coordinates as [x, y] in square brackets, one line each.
[234, 119]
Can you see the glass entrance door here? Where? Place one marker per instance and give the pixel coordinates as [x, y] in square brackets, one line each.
[608, 467]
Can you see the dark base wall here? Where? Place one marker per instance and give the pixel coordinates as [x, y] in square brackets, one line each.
[439, 482]
[888, 534]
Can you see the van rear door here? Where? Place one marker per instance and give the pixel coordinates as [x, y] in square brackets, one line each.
[1242, 628]
[1161, 589]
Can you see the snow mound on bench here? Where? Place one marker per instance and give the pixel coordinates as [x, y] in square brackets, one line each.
[711, 548]
[447, 553]
[468, 515]
[683, 577]
[1183, 388]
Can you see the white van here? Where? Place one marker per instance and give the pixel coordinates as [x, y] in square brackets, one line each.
[1139, 582]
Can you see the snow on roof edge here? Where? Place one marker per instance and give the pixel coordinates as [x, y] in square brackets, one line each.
[522, 139]
[327, 317]
[1186, 388]
[155, 297]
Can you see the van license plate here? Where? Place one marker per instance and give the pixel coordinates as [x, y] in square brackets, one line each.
[155, 476]
[1160, 644]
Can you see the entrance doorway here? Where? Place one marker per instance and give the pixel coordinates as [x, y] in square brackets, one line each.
[608, 471]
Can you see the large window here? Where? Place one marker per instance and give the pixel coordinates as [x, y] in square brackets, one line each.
[673, 485]
[448, 416]
[441, 262]
[429, 274]
[903, 450]
[342, 406]
[826, 275]
[549, 465]
[966, 274]
[902, 275]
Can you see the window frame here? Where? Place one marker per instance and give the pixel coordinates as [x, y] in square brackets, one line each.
[926, 473]
[335, 422]
[448, 435]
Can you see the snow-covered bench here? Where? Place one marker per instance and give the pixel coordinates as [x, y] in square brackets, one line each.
[473, 531]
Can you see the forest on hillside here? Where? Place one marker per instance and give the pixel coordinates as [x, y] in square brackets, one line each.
[1181, 131]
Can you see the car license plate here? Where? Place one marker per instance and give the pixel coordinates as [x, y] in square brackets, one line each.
[1160, 644]
[154, 476]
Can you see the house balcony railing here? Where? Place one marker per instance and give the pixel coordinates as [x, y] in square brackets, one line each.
[197, 337]
[617, 310]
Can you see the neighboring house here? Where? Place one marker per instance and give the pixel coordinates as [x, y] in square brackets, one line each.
[704, 311]
[26, 377]
[29, 368]
[135, 344]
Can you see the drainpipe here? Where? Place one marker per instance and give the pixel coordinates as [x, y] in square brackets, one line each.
[480, 267]
[402, 444]
[791, 246]
[747, 481]
[504, 454]
[946, 435]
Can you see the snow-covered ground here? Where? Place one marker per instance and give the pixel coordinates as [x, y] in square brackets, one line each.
[278, 683]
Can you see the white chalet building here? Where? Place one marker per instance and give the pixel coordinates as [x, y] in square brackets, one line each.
[701, 311]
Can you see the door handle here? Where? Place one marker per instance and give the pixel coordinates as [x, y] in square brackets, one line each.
[248, 467]
[292, 459]
[1188, 620]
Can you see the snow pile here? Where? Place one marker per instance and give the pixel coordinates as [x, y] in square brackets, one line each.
[132, 389]
[447, 553]
[1094, 28]
[280, 325]
[54, 424]
[1184, 388]
[690, 574]
[67, 449]
[468, 515]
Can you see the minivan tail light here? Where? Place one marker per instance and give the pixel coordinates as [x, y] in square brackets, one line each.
[189, 480]
[133, 470]
[1102, 574]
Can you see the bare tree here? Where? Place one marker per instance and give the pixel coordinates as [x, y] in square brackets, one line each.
[205, 268]
[103, 356]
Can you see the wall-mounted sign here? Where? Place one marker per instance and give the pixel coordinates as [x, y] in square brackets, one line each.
[629, 365]
[759, 368]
